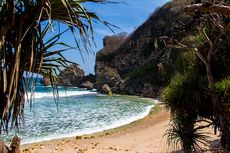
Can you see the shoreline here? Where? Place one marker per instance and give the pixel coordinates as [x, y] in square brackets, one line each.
[115, 124]
[142, 136]
[156, 116]
[107, 128]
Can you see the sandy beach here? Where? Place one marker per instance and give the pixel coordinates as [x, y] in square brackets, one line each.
[143, 136]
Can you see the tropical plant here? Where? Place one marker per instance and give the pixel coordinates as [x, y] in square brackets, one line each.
[223, 87]
[24, 52]
[187, 94]
[187, 101]
[223, 90]
[184, 133]
[211, 53]
[210, 24]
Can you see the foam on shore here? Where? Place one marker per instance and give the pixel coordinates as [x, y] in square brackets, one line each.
[115, 124]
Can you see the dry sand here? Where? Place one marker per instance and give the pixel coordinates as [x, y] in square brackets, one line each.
[143, 136]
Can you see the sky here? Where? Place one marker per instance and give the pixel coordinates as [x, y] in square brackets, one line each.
[127, 16]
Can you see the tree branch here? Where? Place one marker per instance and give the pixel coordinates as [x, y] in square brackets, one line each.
[207, 38]
[201, 57]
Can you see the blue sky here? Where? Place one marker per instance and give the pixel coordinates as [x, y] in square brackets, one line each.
[126, 16]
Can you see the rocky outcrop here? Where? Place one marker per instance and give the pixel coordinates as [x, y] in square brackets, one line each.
[45, 81]
[108, 75]
[112, 43]
[88, 85]
[71, 76]
[139, 64]
[90, 77]
[106, 89]
[134, 86]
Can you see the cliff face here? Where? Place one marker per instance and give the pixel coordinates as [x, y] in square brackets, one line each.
[138, 64]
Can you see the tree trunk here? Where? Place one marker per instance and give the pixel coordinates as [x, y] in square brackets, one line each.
[225, 135]
[2, 61]
[220, 118]
[3, 147]
[3, 76]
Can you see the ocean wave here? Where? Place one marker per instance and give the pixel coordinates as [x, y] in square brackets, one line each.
[38, 95]
[115, 124]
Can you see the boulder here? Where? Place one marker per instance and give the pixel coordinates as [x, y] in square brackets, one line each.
[108, 75]
[45, 81]
[87, 85]
[90, 77]
[71, 76]
[106, 89]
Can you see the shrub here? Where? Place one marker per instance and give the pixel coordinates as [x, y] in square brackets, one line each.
[184, 132]
[184, 94]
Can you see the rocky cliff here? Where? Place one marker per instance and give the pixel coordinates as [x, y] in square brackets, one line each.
[139, 64]
[73, 75]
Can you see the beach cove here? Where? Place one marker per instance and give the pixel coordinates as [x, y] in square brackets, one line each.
[145, 135]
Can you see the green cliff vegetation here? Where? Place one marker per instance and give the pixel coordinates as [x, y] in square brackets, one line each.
[148, 74]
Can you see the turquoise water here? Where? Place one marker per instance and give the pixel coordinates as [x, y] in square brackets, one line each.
[79, 112]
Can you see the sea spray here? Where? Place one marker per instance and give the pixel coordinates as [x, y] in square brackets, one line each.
[38, 95]
[80, 112]
[90, 131]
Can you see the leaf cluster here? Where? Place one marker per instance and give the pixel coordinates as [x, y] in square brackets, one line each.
[24, 52]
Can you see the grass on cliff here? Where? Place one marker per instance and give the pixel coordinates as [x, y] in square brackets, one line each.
[148, 74]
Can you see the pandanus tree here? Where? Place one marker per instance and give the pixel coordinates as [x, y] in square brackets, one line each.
[24, 51]
[213, 51]
[210, 28]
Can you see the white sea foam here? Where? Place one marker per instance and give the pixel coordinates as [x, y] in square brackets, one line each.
[37, 95]
[115, 124]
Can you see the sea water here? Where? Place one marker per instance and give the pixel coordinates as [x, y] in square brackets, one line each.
[77, 112]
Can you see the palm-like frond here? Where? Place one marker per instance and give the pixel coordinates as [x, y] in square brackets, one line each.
[184, 94]
[183, 133]
[23, 49]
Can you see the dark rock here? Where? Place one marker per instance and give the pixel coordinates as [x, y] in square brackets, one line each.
[106, 89]
[87, 85]
[149, 91]
[134, 86]
[71, 76]
[107, 75]
[91, 78]
[45, 81]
